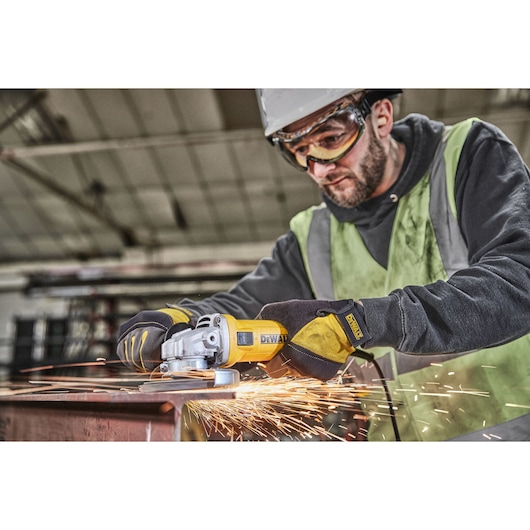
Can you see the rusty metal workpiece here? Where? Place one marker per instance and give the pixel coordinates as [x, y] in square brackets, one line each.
[99, 416]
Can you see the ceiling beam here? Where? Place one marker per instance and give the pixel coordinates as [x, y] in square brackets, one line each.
[126, 234]
[30, 151]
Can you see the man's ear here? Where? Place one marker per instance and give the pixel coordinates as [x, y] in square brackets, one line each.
[383, 117]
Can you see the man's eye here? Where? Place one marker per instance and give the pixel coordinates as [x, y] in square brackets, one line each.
[332, 141]
[301, 150]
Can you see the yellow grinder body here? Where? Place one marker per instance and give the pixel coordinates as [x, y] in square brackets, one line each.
[253, 340]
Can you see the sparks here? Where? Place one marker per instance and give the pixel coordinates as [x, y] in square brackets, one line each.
[517, 406]
[284, 408]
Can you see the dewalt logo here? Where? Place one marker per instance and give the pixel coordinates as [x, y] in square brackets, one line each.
[354, 326]
[273, 338]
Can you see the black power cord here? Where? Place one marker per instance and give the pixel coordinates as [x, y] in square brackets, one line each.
[370, 358]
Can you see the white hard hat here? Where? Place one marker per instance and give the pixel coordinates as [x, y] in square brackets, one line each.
[281, 106]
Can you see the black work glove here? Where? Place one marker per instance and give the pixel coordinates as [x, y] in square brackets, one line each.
[322, 334]
[141, 337]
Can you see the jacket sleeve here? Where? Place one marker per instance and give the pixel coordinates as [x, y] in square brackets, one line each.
[281, 276]
[488, 303]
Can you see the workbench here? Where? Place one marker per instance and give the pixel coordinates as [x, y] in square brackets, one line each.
[98, 416]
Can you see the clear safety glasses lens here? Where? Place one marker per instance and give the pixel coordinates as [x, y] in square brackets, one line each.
[326, 142]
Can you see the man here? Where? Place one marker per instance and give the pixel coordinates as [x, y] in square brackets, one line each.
[418, 256]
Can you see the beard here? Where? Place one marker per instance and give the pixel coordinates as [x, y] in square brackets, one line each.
[359, 187]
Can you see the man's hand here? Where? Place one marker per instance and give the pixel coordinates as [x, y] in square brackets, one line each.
[322, 334]
[140, 338]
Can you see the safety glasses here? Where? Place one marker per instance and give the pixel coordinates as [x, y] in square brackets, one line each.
[327, 139]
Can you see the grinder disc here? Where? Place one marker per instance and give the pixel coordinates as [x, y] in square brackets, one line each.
[192, 380]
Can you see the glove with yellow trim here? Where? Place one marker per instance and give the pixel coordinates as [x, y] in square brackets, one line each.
[140, 338]
[323, 334]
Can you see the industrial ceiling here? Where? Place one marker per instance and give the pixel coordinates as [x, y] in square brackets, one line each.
[154, 178]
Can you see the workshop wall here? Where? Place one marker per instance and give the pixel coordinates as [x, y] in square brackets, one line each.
[16, 307]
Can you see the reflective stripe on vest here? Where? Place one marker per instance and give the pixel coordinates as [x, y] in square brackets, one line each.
[438, 397]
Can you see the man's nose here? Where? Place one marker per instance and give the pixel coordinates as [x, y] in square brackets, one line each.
[320, 170]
